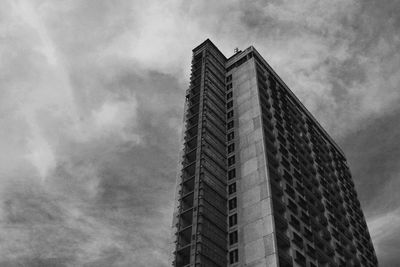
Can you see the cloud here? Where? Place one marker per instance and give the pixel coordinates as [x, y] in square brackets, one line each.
[385, 234]
[91, 112]
[41, 154]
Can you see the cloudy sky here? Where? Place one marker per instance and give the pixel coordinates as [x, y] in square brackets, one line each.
[91, 102]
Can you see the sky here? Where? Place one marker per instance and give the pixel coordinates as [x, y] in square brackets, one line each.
[91, 108]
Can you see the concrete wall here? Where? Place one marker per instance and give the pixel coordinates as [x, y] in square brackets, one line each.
[257, 245]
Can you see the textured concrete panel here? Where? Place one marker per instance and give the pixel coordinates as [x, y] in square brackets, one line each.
[258, 135]
[254, 206]
[269, 244]
[246, 127]
[249, 181]
[251, 137]
[242, 107]
[266, 208]
[257, 122]
[267, 225]
[258, 263]
[259, 148]
[244, 96]
[271, 261]
[252, 213]
[248, 152]
[251, 196]
[245, 116]
[254, 250]
[264, 190]
[252, 231]
[249, 166]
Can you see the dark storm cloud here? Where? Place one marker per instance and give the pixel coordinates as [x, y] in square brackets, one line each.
[92, 100]
[373, 154]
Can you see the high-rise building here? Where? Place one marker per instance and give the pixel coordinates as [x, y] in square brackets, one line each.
[260, 182]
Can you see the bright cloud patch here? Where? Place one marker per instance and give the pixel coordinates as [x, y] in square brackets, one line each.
[91, 103]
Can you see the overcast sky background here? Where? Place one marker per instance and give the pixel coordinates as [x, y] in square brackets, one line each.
[91, 102]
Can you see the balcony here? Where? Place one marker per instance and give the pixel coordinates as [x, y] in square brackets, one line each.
[194, 100]
[292, 207]
[182, 257]
[276, 175]
[288, 177]
[189, 157]
[297, 240]
[187, 202]
[320, 207]
[209, 212]
[308, 234]
[300, 188]
[270, 128]
[321, 256]
[276, 188]
[280, 222]
[326, 235]
[323, 220]
[300, 259]
[191, 143]
[302, 203]
[347, 254]
[187, 186]
[191, 132]
[285, 260]
[282, 240]
[186, 219]
[278, 205]
[310, 251]
[272, 160]
[295, 223]
[290, 191]
[329, 251]
[188, 172]
[305, 218]
[184, 237]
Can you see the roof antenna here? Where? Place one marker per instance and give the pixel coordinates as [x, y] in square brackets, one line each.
[236, 50]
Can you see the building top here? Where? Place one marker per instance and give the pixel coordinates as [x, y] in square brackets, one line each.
[238, 55]
[208, 41]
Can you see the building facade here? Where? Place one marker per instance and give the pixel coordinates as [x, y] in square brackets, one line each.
[260, 182]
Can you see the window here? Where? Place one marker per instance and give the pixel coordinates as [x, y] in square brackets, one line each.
[229, 114]
[229, 95]
[231, 174]
[231, 136]
[229, 78]
[300, 258]
[294, 222]
[233, 238]
[232, 188]
[297, 240]
[232, 220]
[231, 148]
[229, 86]
[232, 203]
[229, 104]
[230, 125]
[233, 256]
[231, 161]
[292, 206]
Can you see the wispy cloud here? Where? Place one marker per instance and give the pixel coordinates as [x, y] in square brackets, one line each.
[385, 234]
[91, 107]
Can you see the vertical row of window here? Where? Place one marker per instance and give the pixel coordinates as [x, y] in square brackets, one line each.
[232, 202]
[305, 154]
[276, 128]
